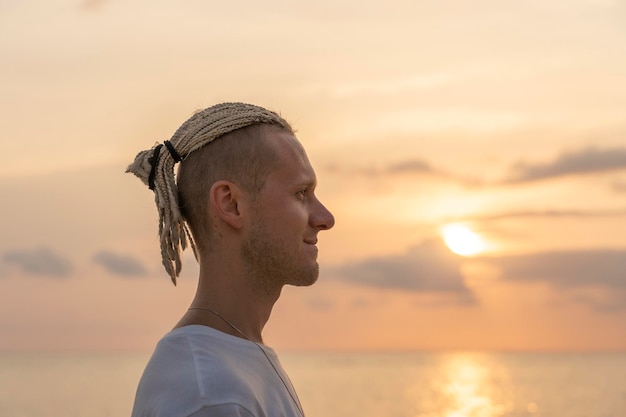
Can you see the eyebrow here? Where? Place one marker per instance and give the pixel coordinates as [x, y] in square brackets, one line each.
[308, 183]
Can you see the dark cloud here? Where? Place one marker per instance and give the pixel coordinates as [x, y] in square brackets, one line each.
[431, 268]
[582, 161]
[428, 267]
[122, 265]
[572, 270]
[41, 261]
[605, 268]
[612, 302]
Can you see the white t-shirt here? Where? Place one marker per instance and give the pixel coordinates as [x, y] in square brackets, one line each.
[197, 371]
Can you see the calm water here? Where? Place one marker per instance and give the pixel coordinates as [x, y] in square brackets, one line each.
[345, 385]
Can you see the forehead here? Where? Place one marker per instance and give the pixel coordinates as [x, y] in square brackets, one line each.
[292, 160]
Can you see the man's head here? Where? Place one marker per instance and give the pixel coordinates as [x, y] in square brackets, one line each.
[250, 196]
[155, 167]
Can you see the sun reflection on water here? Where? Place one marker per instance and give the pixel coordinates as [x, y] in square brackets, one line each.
[466, 389]
[467, 386]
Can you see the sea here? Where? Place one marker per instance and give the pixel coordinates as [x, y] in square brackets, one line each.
[344, 384]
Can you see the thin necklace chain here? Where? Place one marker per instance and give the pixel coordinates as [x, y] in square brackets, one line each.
[295, 399]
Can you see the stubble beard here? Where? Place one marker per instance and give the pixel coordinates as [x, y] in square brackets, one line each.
[269, 264]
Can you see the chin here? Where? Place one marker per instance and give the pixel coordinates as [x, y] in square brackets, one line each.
[307, 277]
[304, 283]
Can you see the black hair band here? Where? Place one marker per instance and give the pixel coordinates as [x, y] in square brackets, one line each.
[175, 155]
[154, 160]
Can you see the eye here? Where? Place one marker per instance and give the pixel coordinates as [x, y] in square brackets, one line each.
[301, 194]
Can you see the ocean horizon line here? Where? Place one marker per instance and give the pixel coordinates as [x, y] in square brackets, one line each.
[356, 351]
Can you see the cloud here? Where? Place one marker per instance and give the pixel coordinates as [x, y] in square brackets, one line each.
[428, 267]
[584, 161]
[568, 268]
[572, 270]
[409, 166]
[545, 213]
[41, 261]
[122, 265]
[608, 302]
[594, 277]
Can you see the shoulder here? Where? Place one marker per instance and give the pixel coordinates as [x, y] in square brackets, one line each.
[195, 368]
[227, 367]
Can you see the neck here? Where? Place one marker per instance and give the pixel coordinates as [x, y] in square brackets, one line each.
[237, 302]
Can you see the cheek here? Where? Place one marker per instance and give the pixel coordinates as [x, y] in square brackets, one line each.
[292, 219]
[287, 214]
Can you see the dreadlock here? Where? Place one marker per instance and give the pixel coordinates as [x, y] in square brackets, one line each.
[155, 168]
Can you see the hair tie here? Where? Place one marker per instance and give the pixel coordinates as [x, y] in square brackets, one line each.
[175, 155]
[154, 160]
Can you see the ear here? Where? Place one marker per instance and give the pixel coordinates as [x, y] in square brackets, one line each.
[226, 202]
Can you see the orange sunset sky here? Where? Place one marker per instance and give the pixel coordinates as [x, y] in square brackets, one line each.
[507, 117]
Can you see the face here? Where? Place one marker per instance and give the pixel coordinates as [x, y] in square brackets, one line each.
[280, 247]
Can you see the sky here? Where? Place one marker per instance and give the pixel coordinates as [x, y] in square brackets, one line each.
[505, 117]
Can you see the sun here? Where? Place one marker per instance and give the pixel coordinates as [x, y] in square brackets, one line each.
[462, 240]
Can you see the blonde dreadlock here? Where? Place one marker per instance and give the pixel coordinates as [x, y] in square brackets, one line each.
[155, 168]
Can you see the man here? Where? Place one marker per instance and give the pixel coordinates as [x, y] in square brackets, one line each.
[244, 198]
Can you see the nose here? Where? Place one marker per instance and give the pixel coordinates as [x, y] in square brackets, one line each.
[321, 218]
